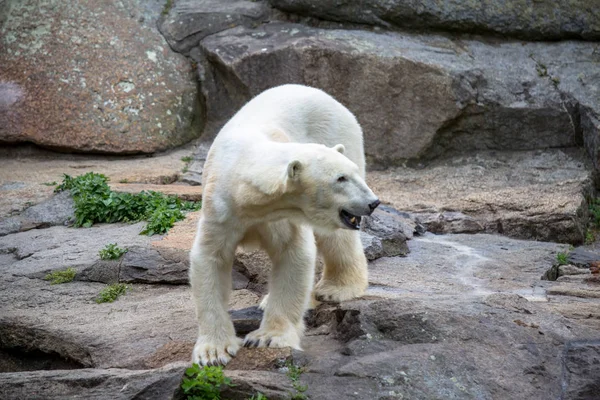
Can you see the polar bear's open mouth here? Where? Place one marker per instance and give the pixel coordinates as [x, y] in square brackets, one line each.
[351, 220]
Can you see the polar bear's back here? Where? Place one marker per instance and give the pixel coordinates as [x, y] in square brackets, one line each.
[306, 115]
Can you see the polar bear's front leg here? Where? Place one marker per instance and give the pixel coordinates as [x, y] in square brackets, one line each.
[211, 261]
[345, 275]
[289, 291]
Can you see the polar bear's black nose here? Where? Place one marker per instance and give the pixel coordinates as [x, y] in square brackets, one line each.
[374, 205]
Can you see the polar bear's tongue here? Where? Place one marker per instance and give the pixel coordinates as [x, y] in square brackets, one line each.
[351, 220]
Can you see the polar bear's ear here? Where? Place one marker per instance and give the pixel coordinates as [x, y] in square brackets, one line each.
[293, 169]
[339, 148]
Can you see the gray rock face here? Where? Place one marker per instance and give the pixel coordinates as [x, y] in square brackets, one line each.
[189, 21]
[503, 95]
[538, 20]
[434, 323]
[529, 195]
[97, 384]
[59, 210]
[93, 77]
[582, 370]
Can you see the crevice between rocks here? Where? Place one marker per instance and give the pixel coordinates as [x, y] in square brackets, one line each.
[26, 348]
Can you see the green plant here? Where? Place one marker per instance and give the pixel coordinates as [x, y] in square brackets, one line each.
[258, 396]
[95, 202]
[53, 183]
[204, 383]
[124, 181]
[56, 277]
[561, 258]
[167, 7]
[294, 373]
[186, 160]
[594, 209]
[590, 237]
[111, 252]
[111, 293]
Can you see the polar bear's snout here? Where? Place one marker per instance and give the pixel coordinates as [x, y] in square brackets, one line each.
[351, 217]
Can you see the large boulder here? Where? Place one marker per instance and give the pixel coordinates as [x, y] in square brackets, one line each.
[538, 19]
[503, 96]
[93, 77]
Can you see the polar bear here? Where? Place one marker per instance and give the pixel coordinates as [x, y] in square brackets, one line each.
[285, 174]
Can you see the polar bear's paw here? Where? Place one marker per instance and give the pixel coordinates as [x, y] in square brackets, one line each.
[264, 337]
[328, 291]
[215, 352]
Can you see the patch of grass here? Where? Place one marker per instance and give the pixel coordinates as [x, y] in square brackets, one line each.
[294, 373]
[111, 293]
[258, 396]
[561, 258]
[167, 7]
[204, 383]
[590, 237]
[57, 277]
[95, 202]
[187, 160]
[594, 209]
[124, 181]
[111, 252]
[53, 183]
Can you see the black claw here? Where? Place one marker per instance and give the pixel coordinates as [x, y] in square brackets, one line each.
[268, 343]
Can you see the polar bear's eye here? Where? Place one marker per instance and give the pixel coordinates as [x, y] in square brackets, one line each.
[342, 179]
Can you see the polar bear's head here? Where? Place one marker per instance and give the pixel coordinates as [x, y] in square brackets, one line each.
[331, 191]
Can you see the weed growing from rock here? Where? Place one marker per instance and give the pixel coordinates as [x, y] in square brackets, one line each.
[111, 293]
[111, 252]
[187, 160]
[95, 202]
[258, 396]
[294, 373]
[561, 258]
[57, 277]
[204, 383]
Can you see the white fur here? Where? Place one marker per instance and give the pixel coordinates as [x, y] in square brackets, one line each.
[272, 179]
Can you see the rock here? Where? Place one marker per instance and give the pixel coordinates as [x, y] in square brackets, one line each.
[372, 246]
[583, 258]
[246, 320]
[572, 270]
[387, 222]
[499, 96]
[541, 20]
[582, 369]
[575, 291]
[450, 222]
[529, 195]
[193, 176]
[144, 265]
[94, 383]
[107, 83]
[58, 210]
[274, 385]
[259, 359]
[188, 22]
